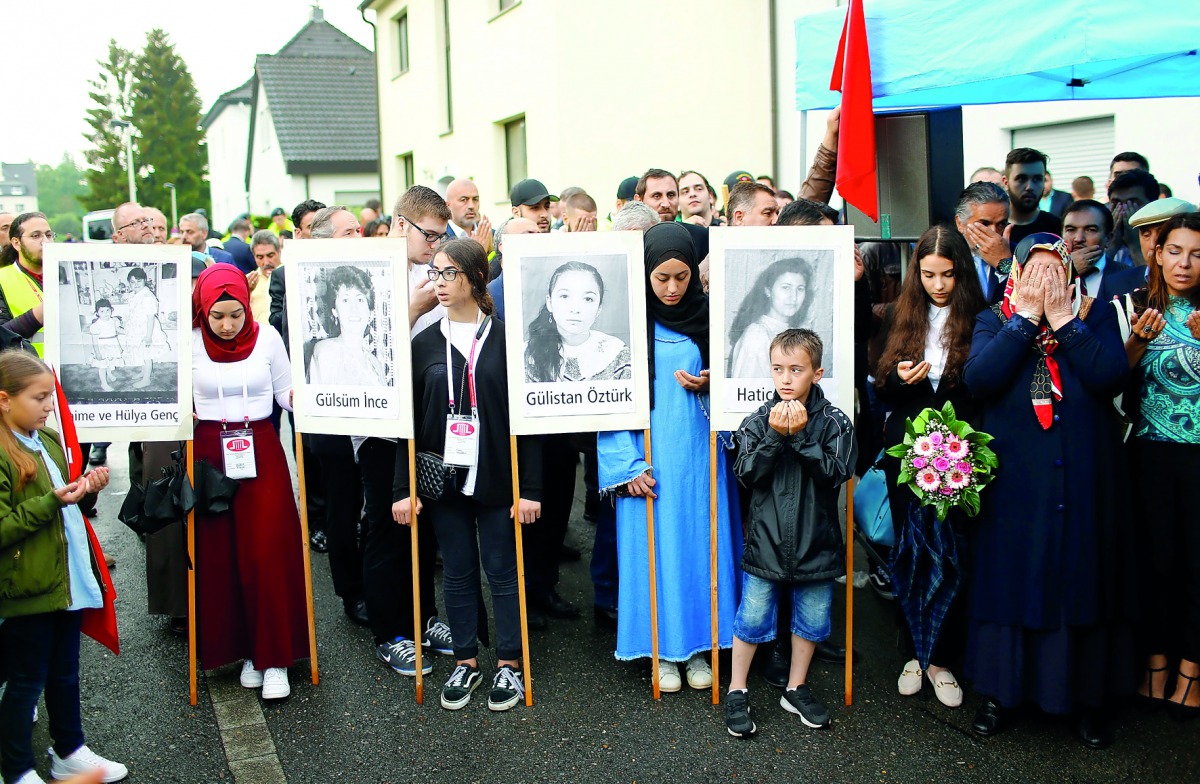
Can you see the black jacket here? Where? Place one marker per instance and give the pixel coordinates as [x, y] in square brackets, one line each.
[794, 533]
[493, 484]
[278, 315]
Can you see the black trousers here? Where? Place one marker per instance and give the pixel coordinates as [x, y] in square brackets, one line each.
[342, 486]
[1169, 548]
[387, 551]
[543, 540]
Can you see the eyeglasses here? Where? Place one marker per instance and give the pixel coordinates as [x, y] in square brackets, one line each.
[38, 235]
[450, 273]
[430, 236]
[139, 222]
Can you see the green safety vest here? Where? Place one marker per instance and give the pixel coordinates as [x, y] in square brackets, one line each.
[22, 294]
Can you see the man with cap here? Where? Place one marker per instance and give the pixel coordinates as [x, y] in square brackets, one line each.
[1146, 222]
[531, 200]
[280, 222]
[625, 193]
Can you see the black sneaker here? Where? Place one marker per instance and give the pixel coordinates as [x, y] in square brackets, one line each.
[457, 691]
[881, 580]
[778, 667]
[508, 688]
[737, 714]
[801, 702]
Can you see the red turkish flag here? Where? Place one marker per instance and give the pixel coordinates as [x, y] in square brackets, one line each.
[856, 178]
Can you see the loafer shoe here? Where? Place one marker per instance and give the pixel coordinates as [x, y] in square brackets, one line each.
[989, 719]
[356, 611]
[911, 678]
[946, 688]
[555, 606]
[84, 760]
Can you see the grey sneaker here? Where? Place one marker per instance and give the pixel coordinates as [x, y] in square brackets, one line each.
[801, 702]
[457, 691]
[401, 655]
[737, 714]
[508, 688]
[437, 637]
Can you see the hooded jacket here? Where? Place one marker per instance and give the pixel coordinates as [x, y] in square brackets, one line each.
[794, 534]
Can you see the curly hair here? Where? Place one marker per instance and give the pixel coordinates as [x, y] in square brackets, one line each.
[333, 281]
[543, 354]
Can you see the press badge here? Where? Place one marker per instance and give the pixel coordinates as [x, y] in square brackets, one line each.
[462, 441]
[237, 454]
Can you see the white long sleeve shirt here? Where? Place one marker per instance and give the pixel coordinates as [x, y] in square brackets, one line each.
[266, 374]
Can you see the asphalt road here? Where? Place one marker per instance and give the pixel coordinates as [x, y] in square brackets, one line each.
[594, 719]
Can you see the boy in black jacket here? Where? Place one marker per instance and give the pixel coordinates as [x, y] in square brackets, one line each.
[796, 451]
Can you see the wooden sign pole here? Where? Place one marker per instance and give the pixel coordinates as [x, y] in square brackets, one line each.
[850, 592]
[193, 686]
[308, 586]
[653, 580]
[712, 564]
[516, 493]
[418, 632]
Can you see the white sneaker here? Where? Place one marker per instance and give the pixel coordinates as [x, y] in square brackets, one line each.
[84, 760]
[31, 777]
[946, 689]
[250, 677]
[910, 679]
[275, 684]
[668, 676]
[699, 674]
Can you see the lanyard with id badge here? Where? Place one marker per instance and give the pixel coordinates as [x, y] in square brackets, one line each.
[462, 432]
[237, 446]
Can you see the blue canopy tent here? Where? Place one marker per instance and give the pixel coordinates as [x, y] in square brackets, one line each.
[951, 53]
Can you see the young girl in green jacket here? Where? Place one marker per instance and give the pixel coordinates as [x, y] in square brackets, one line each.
[48, 575]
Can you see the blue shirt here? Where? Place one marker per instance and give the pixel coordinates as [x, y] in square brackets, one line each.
[85, 590]
[496, 289]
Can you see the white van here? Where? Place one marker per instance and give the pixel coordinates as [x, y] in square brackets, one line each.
[97, 226]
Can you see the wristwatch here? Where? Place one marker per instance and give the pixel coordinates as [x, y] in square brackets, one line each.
[1028, 316]
[1005, 266]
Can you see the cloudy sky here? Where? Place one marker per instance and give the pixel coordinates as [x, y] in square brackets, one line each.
[56, 45]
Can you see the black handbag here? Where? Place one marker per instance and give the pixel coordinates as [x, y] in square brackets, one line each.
[166, 500]
[214, 490]
[433, 475]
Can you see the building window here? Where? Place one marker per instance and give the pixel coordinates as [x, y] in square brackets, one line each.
[402, 43]
[407, 171]
[19, 208]
[507, 4]
[514, 151]
[17, 190]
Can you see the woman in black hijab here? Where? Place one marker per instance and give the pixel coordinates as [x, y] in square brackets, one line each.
[677, 311]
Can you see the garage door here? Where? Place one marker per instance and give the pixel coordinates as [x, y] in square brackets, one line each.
[1075, 148]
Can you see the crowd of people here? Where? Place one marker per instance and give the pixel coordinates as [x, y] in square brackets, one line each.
[1064, 326]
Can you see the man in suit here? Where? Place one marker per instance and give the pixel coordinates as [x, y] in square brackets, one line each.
[1087, 226]
[193, 227]
[1054, 201]
[238, 247]
[982, 218]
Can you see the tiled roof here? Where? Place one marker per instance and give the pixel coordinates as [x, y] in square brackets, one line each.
[241, 94]
[318, 38]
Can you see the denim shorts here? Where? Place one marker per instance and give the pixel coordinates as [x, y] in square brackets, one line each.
[757, 614]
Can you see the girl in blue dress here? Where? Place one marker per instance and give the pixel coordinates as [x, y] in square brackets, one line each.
[677, 310]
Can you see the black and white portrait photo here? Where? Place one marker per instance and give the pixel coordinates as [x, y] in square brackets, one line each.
[348, 327]
[762, 281]
[576, 318]
[349, 335]
[117, 334]
[769, 290]
[569, 306]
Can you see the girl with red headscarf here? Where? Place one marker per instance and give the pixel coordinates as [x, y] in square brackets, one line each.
[249, 566]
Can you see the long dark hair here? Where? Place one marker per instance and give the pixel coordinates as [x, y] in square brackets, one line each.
[758, 300]
[1159, 296]
[543, 354]
[469, 256]
[910, 315]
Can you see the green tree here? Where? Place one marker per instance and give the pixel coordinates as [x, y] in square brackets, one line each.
[61, 187]
[111, 94]
[166, 111]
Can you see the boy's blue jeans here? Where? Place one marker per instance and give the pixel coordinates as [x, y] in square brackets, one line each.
[755, 621]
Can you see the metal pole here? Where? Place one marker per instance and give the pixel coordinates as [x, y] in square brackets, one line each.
[174, 213]
[129, 162]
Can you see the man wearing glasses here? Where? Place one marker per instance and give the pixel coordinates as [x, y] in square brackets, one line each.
[421, 217]
[132, 225]
[21, 277]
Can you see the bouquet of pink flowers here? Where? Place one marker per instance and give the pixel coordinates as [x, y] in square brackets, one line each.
[944, 461]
